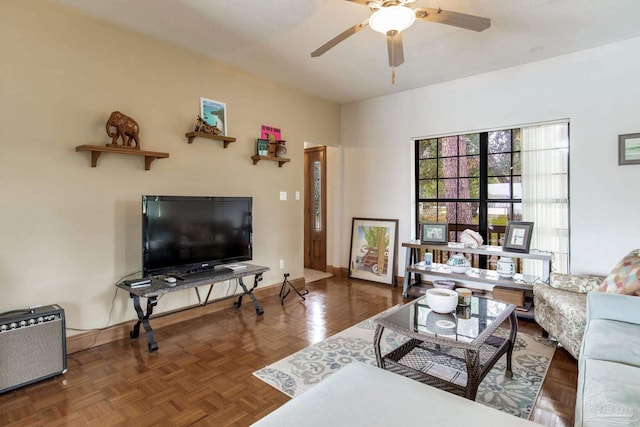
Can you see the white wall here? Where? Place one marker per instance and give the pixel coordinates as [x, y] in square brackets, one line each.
[596, 89]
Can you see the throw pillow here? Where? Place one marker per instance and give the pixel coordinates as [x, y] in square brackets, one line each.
[625, 278]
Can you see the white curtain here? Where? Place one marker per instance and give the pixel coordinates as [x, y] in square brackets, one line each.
[545, 193]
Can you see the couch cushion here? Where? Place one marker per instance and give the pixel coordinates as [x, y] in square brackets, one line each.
[608, 394]
[623, 308]
[625, 277]
[613, 341]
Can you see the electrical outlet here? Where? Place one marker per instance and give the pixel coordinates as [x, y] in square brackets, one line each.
[281, 264]
[297, 195]
[283, 195]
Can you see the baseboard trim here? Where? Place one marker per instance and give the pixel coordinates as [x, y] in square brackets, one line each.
[337, 271]
[87, 340]
[344, 272]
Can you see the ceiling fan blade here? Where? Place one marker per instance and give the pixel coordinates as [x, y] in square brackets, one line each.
[340, 37]
[362, 2]
[461, 20]
[394, 47]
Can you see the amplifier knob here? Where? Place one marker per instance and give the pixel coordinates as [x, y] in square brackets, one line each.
[32, 321]
[13, 325]
[23, 323]
[40, 319]
[3, 328]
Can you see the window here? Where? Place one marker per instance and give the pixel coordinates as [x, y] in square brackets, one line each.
[483, 180]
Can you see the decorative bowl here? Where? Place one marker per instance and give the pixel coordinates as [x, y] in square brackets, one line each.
[444, 284]
[442, 300]
[458, 263]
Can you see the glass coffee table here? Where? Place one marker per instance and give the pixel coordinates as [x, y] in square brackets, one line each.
[453, 351]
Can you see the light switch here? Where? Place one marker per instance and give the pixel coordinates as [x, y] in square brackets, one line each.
[283, 195]
[297, 195]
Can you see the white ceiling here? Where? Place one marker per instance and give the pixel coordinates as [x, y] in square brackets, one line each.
[274, 38]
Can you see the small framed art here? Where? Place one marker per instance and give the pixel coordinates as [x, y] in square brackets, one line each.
[434, 233]
[214, 113]
[262, 147]
[373, 250]
[629, 149]
[517, 236]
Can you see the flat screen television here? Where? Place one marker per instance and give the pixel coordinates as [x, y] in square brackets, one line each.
[185, 235]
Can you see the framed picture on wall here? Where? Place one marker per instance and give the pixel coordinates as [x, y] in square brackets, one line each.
[517, 236]
[434, 233]
[629, 149]
[373, 250]
[214, 113]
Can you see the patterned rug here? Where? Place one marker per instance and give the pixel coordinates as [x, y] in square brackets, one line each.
[298, 372]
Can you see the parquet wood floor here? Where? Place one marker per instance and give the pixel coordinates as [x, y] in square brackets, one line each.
[202, 373]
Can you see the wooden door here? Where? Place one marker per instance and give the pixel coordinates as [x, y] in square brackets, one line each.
[315, 207]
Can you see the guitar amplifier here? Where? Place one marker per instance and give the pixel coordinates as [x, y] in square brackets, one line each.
[32, 346]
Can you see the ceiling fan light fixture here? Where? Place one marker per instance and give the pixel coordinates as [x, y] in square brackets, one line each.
[389, 18]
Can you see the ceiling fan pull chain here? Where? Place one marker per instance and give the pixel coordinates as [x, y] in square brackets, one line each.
[393, 76]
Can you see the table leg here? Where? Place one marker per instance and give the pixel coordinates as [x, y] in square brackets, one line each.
[376, 345]
[513, 323]
[143, 318]
[256, 304]
[473, 374]
[407, 278]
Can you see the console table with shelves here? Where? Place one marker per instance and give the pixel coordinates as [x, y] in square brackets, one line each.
[473, 278]
[159, 287]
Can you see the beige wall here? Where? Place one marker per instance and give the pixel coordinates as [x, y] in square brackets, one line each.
[70, 231]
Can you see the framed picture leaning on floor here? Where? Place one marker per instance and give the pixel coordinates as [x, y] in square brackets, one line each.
[373, 251]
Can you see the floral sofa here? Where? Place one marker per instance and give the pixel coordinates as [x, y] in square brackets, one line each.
[561, 307]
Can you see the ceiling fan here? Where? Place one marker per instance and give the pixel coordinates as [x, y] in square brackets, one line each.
[391, 17]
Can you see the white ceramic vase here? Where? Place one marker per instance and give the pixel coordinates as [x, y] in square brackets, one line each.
[506, 267]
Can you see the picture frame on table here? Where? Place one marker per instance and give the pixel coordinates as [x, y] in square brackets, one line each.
[517, 236]
[434, 233]
[262, 147]
[629, 149]
[214, 113]
[366, 260]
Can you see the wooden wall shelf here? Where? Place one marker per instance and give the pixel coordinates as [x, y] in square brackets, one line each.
[96, 150]
[226, 139]
[281, 160]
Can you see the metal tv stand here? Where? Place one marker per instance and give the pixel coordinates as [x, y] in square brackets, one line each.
[159, 287]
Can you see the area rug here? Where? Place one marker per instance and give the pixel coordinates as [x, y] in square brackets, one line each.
[300, 371]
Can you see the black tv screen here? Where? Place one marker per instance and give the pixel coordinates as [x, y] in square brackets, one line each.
[187, 234]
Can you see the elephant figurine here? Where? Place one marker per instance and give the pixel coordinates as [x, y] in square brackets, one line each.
[123, 126]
